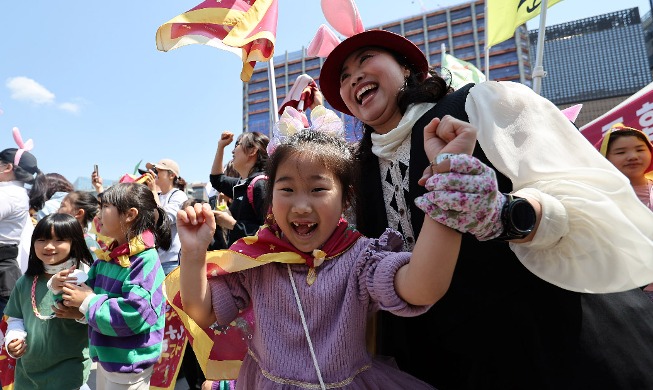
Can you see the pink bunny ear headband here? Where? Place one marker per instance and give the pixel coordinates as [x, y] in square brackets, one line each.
[344, 17]
[22, 146]
[292, 121]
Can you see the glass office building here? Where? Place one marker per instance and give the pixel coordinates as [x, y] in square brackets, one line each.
[460, 28]
[595, 58]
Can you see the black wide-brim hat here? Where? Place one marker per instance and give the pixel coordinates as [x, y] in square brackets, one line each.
[330, 73]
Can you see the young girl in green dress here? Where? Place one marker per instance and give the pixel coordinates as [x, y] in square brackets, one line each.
[49, 340]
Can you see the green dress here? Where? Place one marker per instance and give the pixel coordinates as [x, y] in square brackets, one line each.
[57, 349]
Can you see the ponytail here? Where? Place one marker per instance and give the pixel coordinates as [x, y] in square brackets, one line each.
[37, 196]
[162, 229]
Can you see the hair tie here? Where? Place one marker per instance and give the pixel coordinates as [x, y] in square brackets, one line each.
[22, 146]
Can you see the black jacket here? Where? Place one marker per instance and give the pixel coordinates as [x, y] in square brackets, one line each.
[501, 327]
[248, 218]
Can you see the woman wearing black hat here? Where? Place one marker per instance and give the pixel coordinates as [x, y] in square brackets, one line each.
[516, 315]
[17, 168]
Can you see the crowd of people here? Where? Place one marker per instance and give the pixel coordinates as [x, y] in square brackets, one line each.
[472, 239]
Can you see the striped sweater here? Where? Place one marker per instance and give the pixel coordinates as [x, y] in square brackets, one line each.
[126, 317]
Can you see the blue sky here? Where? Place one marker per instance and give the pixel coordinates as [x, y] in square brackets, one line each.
[84, 79]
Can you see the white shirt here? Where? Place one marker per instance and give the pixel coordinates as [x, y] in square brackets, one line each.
[595, 235]
[14, 211]
[171, 202]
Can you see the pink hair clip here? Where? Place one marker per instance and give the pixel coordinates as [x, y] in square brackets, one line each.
[22, 146]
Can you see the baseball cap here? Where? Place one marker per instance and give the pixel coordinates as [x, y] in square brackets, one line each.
[166, 164]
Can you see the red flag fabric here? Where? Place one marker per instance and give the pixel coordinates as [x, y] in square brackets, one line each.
[636, 111]
[7, 363]
[247, 28]
[175, 339]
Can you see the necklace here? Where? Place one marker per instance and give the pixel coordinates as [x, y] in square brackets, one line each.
[34, 309]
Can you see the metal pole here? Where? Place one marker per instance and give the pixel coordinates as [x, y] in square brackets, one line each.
[274, 114]
[538, 71]
[487, 48]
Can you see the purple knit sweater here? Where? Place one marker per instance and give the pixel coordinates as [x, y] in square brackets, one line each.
[336, 307]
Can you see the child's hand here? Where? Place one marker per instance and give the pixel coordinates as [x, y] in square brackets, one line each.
[449, 135]
[196, 226]
[62, 311]
[61, 278]
[17, 348]
[74, 295]
[226, 138]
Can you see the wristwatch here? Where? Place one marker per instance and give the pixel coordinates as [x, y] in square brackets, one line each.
[518, 218]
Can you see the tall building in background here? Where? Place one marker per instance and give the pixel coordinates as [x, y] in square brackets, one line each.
[460, 28]
[598, 61]
[647, 26]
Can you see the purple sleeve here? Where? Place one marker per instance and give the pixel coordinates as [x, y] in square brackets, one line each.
[382, 260]
[228, 296]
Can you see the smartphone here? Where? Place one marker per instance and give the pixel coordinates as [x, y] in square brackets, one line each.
[95, 169]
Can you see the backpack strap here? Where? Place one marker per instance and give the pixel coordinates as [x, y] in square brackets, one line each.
[250, 189]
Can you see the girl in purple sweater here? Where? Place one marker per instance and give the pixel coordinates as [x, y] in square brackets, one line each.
[311, 279]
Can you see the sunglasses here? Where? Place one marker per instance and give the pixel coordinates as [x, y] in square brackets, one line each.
[157, 170]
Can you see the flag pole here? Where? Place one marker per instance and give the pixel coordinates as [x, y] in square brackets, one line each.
[272, 82]
[487, 48]
[538, 71]
[443, 50]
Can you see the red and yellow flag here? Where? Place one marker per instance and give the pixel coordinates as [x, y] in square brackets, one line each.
[245, 27]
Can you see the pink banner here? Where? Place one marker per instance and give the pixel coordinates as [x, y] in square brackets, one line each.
[636, 111]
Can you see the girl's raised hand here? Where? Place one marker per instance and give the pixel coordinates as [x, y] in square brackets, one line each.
[226, 138]
[196, 226]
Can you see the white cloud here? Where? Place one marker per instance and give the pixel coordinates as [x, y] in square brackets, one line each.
[26, 89]
[70, 107]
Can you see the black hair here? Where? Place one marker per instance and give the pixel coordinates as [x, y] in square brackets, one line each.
[179, 182]
[418, 88]
[191, 202]
[64, 227]
[150, 216]
[83, 200]
[259, 141]
[332, 152]
[39, 182]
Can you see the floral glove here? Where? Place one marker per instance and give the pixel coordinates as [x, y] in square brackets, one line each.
[466, 198]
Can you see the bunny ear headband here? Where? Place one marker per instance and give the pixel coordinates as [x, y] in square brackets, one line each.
[292, 121]
[22, 146]
[343, 16]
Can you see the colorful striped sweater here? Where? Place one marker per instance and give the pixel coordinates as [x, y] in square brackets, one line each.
[127, 316]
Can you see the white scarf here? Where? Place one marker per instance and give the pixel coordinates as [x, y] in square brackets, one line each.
[385, 145]
[53, 269]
